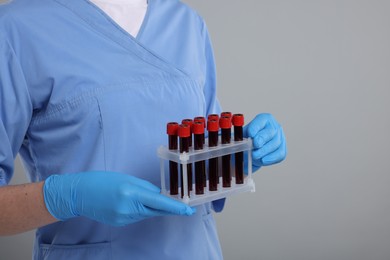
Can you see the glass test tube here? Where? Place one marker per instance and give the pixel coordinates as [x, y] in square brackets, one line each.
[198, 130]
[203, 121]
[184, 133]
[172, 129]
[225, 122]
[213, 128]
[238, 122]
[216, 118]
[189, 123]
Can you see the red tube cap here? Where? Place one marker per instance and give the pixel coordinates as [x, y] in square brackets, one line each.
[184, 131]
[228, 114]
[200, 119]
[238, 120]
[198, 128]
[172, 128]
[212, 126]
[213, 117]
[188, 122]
[225, 122]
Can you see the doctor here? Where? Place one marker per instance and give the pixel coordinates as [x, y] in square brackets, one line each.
[86, 88]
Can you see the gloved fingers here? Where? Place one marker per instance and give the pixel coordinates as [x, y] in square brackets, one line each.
[163, 203]
[148, 212]
[269, 147]
[124, 178]
[143, 212]
[256, 165]
[264, 136]
[135, 212]
[143, 184]
[125, 220]
[257, 124]
[277, 156]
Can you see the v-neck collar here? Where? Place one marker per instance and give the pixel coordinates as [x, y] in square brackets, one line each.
[98, 19]
[145, 20]
[143, 24]
[101, 22]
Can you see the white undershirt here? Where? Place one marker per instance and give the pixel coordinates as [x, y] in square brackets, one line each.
[129, 14]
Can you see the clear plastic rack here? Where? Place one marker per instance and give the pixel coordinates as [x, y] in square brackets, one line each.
[205, 154]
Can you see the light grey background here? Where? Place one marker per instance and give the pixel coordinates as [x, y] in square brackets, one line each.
[322, 68]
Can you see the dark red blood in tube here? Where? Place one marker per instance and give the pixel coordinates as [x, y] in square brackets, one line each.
[213, 128]
[225, 122]
[172, 129]
[184, 133]
[238, 122]
[198, 130]
[189, 122]
[203, 121]
[216, 118]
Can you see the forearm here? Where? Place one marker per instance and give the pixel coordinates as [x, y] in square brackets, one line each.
[23, 208]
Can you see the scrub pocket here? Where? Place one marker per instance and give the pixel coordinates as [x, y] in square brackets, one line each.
[134, 118]
[99, 251]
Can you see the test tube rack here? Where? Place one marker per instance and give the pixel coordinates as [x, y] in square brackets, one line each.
[203, 155]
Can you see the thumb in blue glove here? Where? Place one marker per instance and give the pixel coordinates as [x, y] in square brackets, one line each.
[269, 142]
[108, 197]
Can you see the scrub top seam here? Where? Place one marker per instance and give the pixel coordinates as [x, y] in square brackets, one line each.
[145, 21]
[34, 159]
[87, 97]
[103, 135]
[118, 39]
[75, 101]
[110, 19]
[13, 53]
[139, 35]
[102, 33]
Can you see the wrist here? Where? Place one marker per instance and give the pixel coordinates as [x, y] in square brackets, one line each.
[59, 193]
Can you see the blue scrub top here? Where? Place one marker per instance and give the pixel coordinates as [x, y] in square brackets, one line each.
[78, 93]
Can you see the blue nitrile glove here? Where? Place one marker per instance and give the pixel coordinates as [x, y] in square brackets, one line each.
[108, 197]
[269, 142]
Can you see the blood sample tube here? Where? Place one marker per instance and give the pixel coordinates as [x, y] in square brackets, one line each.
[225, 122]
[189, 123]
[184, 132]
[172, 129]
[198, 130]
[212, 128]
[203, 121]
[238, 122]
[216, 118]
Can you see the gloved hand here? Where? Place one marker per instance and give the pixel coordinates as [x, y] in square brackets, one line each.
[269, 142]
[108, 197]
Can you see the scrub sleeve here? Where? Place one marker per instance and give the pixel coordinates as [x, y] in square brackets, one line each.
[15, 110]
